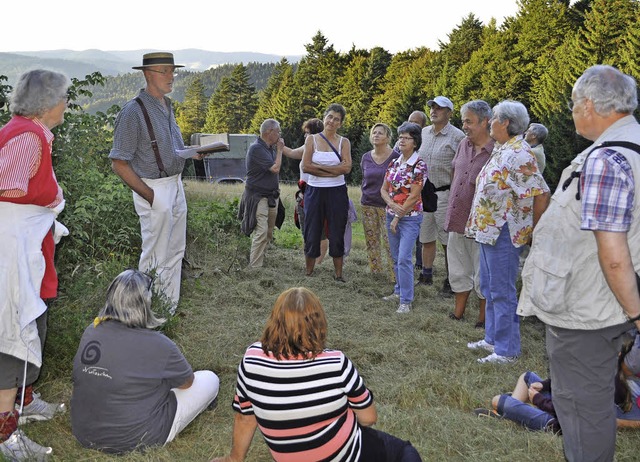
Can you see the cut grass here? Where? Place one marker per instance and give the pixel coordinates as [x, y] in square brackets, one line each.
[425, 381]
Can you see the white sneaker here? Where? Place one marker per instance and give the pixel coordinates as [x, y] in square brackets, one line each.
[39, 409]
[480, 344]
[19, 448]
[404, 308]
[498, 359]
[391, 298]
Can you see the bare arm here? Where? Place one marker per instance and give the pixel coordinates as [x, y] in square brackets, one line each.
[244, 427]
[188, 383]
[123, 169]
[540, 204]
[615, 261]
[293, 153]
[275, 168]
[367, 416]
[308, 166]
[624, 423]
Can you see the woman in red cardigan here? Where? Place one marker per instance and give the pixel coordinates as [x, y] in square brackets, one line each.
[30, 199]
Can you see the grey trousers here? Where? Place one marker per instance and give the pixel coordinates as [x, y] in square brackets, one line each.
[583, 364]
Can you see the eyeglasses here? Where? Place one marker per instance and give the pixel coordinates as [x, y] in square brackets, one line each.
[571, 104]
[406, 138]
[165, 72]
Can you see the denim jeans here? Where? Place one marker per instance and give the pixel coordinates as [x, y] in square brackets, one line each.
[401, 244]
[498, 274]
[529, 416]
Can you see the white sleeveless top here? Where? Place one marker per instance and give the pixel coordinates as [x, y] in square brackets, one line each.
[325, 158]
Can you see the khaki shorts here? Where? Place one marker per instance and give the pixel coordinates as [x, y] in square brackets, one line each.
[432, 226]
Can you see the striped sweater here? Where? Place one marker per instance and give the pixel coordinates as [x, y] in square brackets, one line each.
[303, 407]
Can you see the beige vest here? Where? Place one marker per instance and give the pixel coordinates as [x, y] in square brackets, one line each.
[562, 282]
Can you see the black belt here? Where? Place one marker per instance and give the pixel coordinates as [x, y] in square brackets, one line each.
[443, 188]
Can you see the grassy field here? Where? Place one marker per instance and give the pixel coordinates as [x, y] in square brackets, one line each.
[426, 382]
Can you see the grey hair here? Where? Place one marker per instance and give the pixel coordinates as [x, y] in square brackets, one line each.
[478, 107]
[422, 115]
[515, 113]
[608, 89]
[539, 132]
[412, 130]
[268, 124]
[129, 300]
[335, 107]
[38, 91]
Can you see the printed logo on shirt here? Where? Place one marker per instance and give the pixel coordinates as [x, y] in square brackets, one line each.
[91, 355]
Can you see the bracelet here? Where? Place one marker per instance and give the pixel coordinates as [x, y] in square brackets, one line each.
[634, 319]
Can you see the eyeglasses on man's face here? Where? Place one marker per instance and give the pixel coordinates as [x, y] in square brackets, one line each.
[164, 72]
[571, 104]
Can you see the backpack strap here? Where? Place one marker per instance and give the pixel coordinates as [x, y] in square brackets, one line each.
[154, 142]
[604, 144]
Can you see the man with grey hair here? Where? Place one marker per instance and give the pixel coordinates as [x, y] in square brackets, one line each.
[535, 135]
[259, 205]
[419, 118]
[580, 277]
[439, 145]
[463, 254]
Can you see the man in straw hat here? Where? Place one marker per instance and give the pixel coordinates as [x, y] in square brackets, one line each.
[145, 140]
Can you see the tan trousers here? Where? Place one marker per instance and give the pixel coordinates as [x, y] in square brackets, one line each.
[263, 233]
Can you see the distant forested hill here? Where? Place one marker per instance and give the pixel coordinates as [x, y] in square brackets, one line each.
[119, 89]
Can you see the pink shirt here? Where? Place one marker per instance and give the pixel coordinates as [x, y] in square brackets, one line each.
[466, 166]
[19, 161]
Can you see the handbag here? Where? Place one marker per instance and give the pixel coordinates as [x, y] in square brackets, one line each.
[429, 196]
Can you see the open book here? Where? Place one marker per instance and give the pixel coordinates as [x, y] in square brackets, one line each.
[210, 148]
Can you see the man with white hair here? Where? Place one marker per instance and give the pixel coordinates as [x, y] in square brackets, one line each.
[580, 277]
[259, 204]
[146, 138]
[535, 135]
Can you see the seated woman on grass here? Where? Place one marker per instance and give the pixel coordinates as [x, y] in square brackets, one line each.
[132, 387]
[531, 405]
[309, 401]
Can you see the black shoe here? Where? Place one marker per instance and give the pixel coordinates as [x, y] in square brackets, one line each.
[455, 318]
[446, 290]
[425, 280]
[339, 279]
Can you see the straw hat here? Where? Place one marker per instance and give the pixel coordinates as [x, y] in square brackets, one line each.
[157, 59]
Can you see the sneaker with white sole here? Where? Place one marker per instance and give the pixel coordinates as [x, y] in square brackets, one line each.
[391, 298]
[480, 344]
[404, 308]
[19, 448]
[39, 409]
[497, 359]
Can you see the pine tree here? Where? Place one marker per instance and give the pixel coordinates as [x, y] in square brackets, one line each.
[233, 105]
[192, 112]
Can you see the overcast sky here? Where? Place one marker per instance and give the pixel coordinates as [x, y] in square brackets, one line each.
[280, 27]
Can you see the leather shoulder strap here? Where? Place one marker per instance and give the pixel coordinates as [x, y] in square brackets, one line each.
[152, 135]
